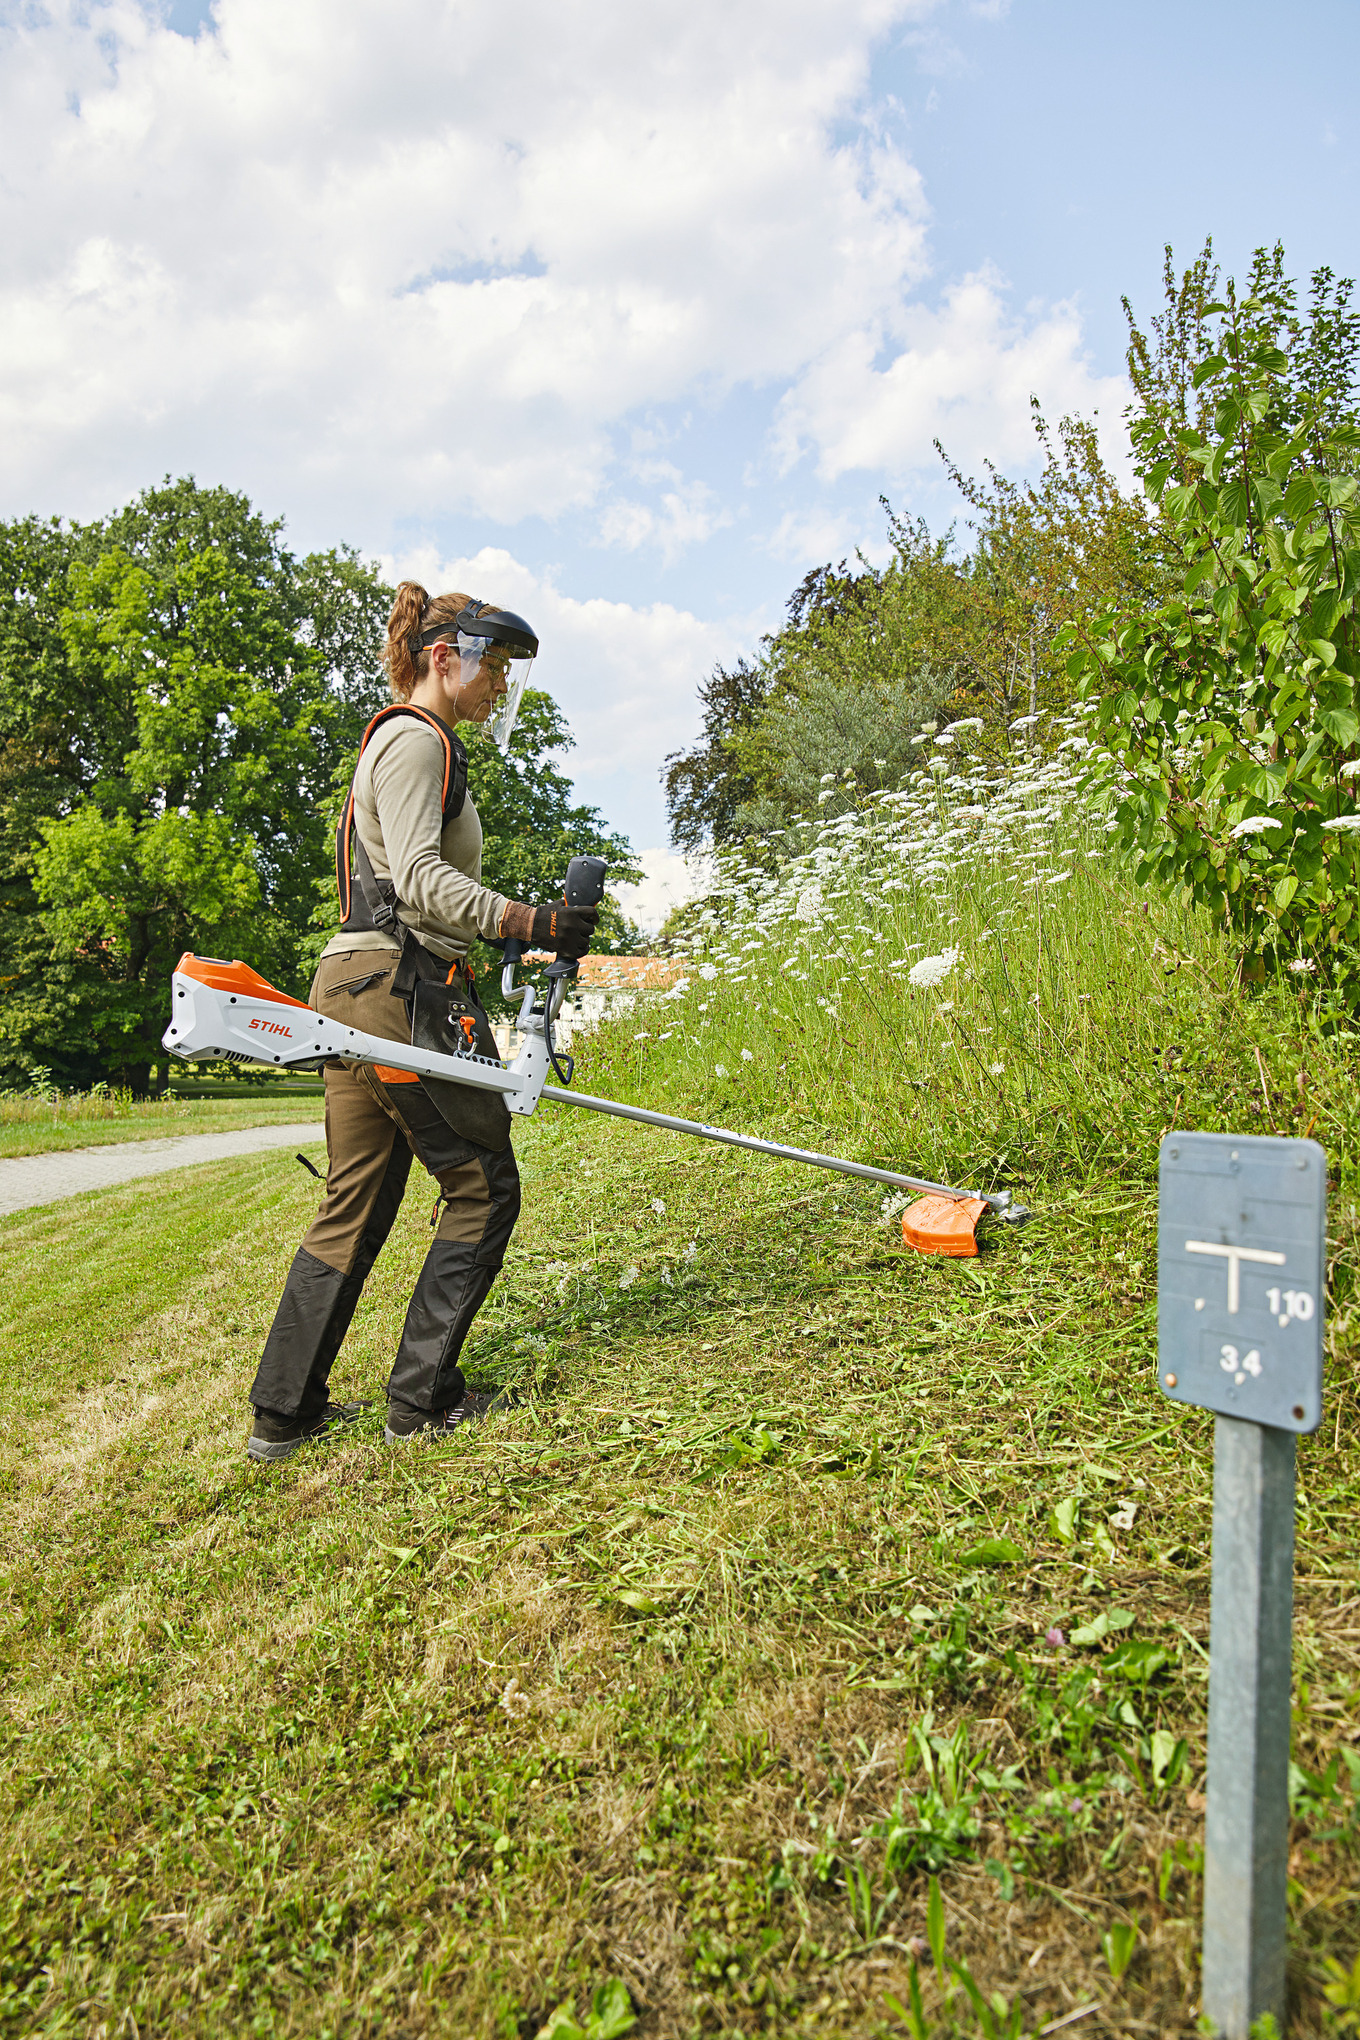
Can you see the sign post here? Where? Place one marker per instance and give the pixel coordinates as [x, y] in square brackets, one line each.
[1240, 1288]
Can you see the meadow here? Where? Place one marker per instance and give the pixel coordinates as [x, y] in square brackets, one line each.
[818, 1645]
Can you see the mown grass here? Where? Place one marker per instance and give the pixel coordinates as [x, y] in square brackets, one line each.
[633, 1683]
[38, 1126]
[805, 1571]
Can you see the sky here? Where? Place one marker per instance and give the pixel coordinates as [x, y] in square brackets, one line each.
[623, 316]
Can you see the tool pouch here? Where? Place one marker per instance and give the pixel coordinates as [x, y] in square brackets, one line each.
[449, 1019]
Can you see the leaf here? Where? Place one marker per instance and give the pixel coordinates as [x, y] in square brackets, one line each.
[1285, 890]
[642, 1603]
[1322, 648]
[1213, 364]
[1341, 723]
[1097, 1631]
[611, 2011]
[1118, 1944]
[1064, 1518]
[561, 2025]
[1168, 1754]
[935, 1925]
[993, 1551]
[1234, 503]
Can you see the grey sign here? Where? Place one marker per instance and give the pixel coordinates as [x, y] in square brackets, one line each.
[1241, 1248]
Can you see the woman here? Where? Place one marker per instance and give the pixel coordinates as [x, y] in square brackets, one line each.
[408, 871]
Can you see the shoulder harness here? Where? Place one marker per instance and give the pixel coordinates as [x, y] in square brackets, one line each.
[368, 902]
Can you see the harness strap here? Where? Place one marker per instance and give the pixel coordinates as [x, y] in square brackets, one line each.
[352, 861]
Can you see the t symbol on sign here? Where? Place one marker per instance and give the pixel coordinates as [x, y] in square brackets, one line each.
[1234, 1256]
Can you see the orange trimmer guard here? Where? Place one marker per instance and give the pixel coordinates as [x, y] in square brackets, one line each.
[943, 1225]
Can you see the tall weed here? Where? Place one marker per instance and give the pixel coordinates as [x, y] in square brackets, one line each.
[961, 977]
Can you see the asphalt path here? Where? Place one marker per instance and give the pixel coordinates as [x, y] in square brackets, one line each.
[45, 1179]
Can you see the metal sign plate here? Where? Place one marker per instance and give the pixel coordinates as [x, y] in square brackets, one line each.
[1241, 1245]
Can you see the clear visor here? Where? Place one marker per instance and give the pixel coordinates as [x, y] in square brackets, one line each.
[500, 723]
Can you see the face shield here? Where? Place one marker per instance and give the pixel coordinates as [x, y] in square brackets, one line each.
[499, 635]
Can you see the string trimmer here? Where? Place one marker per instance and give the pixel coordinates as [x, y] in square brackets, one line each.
[227, 1011]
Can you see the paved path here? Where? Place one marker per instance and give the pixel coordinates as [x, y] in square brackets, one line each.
[43, 1179]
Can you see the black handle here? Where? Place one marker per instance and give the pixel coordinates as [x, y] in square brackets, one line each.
[585, 882]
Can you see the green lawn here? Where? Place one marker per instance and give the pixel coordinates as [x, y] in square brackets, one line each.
[29, 1127]
[689, 1673]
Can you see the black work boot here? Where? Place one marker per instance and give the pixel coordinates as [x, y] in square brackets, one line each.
[404, 1422]
[275, 1437]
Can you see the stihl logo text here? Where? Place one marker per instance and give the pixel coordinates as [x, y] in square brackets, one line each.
[272, 1027]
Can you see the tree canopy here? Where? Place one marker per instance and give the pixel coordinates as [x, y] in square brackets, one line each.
[180, 698]
[871, 658]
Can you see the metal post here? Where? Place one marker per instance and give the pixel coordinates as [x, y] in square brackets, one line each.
[1246, 1830]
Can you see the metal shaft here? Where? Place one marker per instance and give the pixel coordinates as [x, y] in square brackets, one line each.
[774, 1148]
[1246, 1828]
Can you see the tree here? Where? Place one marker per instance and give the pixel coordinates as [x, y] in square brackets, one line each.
[175, 690]
[706, 786]
[1230, 707]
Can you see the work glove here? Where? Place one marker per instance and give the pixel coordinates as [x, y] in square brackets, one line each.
[568, 930]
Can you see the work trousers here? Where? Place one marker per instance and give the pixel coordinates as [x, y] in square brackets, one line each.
[375, 1121]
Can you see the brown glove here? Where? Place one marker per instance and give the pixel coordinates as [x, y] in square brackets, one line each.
[568, 930]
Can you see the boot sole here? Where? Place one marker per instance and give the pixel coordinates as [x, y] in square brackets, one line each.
[267, 1448]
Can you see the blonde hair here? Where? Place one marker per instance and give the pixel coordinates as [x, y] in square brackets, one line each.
[414, 612]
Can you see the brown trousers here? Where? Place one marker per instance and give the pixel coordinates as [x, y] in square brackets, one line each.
[375, 1121]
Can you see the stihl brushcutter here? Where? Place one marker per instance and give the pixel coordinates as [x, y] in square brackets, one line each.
[227, 1011]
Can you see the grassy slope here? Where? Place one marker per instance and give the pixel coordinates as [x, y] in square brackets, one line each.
[629, 1683]
[28, 1127]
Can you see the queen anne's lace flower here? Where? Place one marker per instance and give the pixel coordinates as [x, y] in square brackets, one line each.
[1344, 825]
[933, 970]
[1255, 825]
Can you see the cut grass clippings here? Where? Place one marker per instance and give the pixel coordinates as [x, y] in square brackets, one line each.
[805, 1572]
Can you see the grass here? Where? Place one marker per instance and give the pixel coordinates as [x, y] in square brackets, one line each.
[807, 1581]
[39, 1126]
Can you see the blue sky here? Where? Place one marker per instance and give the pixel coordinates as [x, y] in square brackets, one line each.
[635, 344]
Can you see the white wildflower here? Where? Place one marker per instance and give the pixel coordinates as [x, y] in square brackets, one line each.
[893, 1205]
[809, 905]
[642, 1037]
[666, 1276]
[1058, 878]
[944, 1005]
[1026, 722]
[933, 970]
[1343, 825]
[968, 722]
[659, 1206]
[690, 1251]
[747, 1056]
[708, 972]
[1302, 964]
[629, 1276]
[1349, 771]
[997, 1070]
[720, 1069]
[1255, 825]
[827, 778]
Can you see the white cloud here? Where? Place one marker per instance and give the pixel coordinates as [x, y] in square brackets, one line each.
[423, 255]
[624, 675]
[963, 372]
[668, 880]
